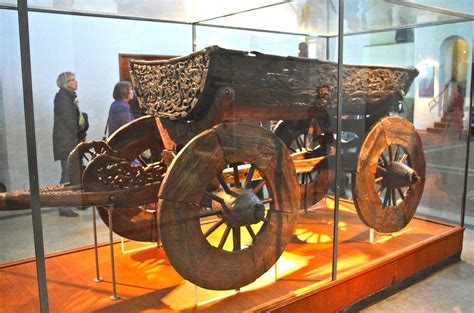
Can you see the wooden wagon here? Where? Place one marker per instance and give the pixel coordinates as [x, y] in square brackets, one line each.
[229, 190]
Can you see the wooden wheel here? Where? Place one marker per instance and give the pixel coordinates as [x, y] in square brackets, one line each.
[390, 175]
[217, 232]
[304, 138]
[129, 144]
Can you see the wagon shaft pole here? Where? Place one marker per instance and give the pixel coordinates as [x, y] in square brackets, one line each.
[73, 196]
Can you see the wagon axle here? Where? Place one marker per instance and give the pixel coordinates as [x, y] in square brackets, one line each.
[241, 207]
[399, 175]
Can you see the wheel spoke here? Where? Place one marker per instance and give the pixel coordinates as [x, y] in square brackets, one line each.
[252, 234]
[248, 179]
[267, 200]
[383, 169]
[224, 237]
[396, 153]
[384, 159]
[236, 238]
[404, 158]
[209, 213]
[379, 192]
[379, 180]
[224, 184]
[386, 198]
[236, 175]
[400, 192]
[213, 228]
[216, 198]
[259, 187]
[394, 199]
[390, 156]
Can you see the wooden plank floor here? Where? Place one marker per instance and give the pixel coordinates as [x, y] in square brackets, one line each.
[147, 282]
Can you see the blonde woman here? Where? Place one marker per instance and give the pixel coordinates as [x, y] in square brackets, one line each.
[66, 127]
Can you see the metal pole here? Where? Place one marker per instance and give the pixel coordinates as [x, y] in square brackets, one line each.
[340, 92]
[193, 28]
[327, 49]
[114, 296]
[468, 148]
[94, 222]
[31, 153]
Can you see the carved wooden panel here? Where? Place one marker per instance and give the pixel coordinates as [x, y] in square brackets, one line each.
[263, 83]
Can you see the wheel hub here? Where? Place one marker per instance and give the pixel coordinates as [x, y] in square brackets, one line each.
[399, 175]
[242, 207]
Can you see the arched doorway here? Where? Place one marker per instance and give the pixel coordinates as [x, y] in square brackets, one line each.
[454, 61]
[453, 76]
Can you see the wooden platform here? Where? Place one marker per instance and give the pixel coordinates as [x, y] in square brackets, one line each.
[302, 278]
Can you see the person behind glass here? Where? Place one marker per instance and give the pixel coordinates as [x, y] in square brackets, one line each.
[458, 110]
[119, 112]
[66, 129]
[303, 50]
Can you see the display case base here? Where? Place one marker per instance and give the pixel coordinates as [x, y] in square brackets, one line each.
[300, 282]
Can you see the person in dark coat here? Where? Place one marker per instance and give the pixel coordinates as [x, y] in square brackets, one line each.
[66, 130]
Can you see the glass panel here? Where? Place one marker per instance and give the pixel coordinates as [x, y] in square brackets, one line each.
[320, 17]
[89, 48]
[185, 11]
[460, 6]
[306, 17]
[16, 229]
[14, 163]
[268, 93]
[270, 43]
[379, 15]
[403, 123]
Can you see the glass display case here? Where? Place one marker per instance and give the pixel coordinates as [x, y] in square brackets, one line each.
[339, 181]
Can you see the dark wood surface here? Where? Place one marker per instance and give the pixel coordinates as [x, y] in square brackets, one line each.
[266, 86]
[146, 280]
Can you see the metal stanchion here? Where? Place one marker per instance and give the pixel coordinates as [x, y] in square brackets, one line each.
[94, 222]
[114, 296]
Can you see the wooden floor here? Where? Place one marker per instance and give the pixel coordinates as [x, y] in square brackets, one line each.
[147, 282]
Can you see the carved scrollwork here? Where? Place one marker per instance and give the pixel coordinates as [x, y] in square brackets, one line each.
[108, 172]
[171, 89]
[371, 85]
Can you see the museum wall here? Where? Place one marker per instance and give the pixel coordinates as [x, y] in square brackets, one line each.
[87, 46]
[11, 105]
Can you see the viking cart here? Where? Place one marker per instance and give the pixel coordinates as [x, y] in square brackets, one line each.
[221, 192]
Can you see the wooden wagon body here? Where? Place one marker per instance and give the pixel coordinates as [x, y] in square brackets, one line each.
[228, 191]
[216, 84]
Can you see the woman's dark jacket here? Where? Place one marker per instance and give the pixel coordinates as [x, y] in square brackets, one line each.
[66, 124]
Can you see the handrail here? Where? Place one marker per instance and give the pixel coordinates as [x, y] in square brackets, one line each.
[436, 99]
